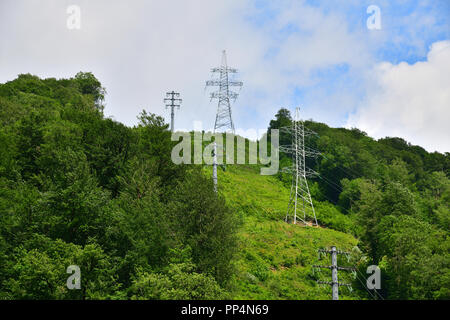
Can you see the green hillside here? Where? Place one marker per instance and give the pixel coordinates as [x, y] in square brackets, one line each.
[79, 189]
[275, 258]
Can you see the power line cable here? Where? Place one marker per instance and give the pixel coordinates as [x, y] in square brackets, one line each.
[376, 292]
[367, 289]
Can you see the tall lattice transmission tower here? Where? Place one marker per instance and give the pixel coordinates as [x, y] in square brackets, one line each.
[224, 120]
[300, 206]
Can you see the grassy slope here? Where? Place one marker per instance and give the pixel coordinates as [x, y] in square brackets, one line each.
[275, 258]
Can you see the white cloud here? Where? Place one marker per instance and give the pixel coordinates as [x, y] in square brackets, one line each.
[410, 101]
[141, 49]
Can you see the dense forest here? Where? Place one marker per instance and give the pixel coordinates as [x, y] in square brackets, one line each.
[77, 188]
[396, 197]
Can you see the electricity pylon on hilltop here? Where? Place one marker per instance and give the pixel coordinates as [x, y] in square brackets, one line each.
[224, 95]
[300, 206]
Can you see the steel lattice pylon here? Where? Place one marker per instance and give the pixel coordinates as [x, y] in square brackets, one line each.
[224, 121]
[300, 197]
[224, 95]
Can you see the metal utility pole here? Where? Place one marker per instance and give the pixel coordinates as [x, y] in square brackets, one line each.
[224, 121]
[334, 270]
[300, 197]
[334, 274]
[173, 102]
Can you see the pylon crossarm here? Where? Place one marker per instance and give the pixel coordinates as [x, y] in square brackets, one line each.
[346, 268]
[323, 267]
[308, 173]
[224, 69]
[229, 83]
[286, 149]
[307, 132]
[220, 95]
[342, 252]
[311, 152]
[330, 251]
[311, 174]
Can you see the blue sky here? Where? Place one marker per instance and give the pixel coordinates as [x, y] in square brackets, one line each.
[318, 55]
[405, 21]
[409, 28]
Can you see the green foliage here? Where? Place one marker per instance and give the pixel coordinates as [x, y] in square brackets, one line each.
[205, 223]
[417, 260]
[79, 189]
[283, 118]
[37, 270]
[177, 281]
[395, 198]
[275, 260]
[89, 85]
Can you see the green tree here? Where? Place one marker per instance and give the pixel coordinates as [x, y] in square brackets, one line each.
[89, 85]
[417, 259]
[205, 224]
